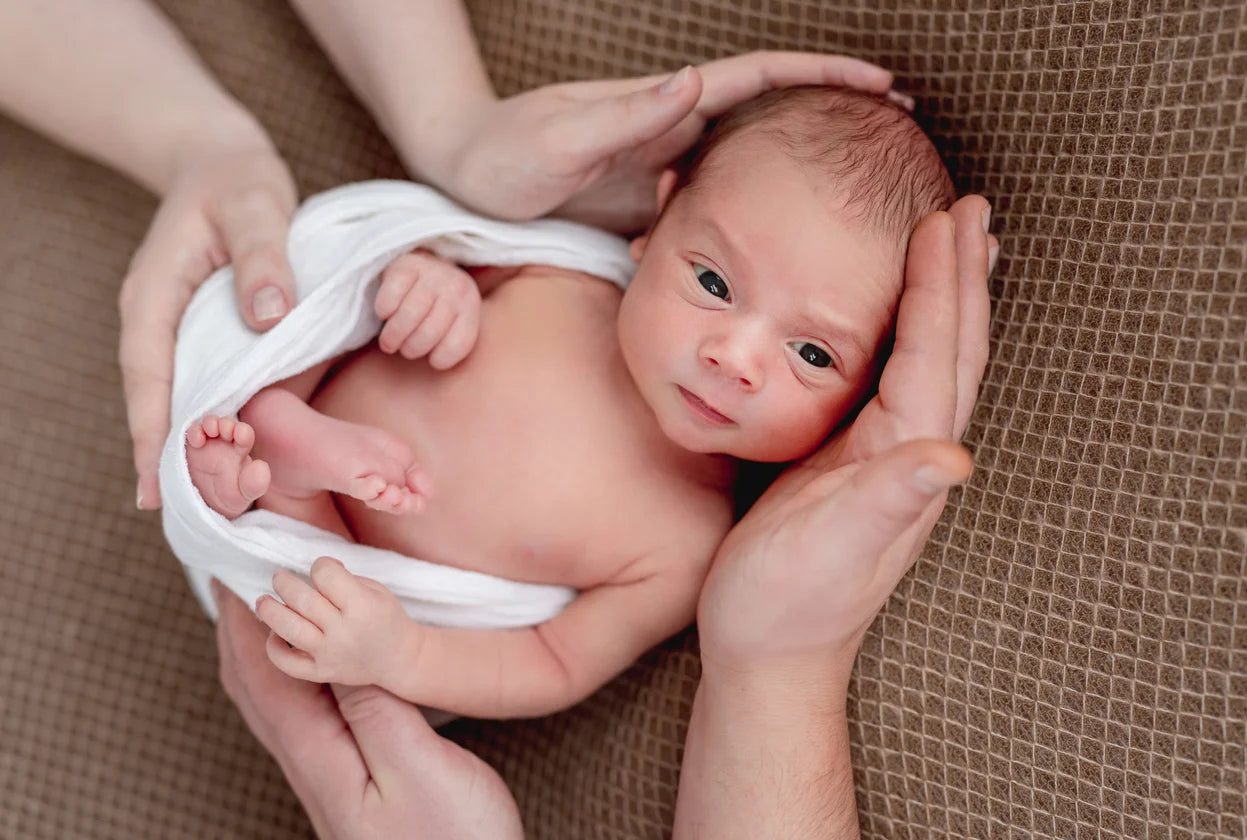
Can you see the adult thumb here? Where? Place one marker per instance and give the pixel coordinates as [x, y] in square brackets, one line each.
[618, 123]
[254, 226]
[391, 733]
[890, 495]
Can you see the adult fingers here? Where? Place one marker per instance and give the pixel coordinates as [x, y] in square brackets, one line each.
[153, 296]
[391, 733]
[900, 99]
[296, 721]
[880, 504]
[732, 80]
[972, 215]
[599, 128]
[919, 381]
[254, 225]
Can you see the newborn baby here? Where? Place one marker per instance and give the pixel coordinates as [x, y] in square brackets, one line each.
[537, 424]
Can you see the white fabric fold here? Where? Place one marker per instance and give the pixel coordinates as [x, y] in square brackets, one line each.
[339, 243]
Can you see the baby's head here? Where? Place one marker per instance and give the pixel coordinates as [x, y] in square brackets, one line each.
[766, 291]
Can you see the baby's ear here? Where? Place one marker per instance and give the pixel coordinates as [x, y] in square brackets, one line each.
[637, 247]
[666, 183]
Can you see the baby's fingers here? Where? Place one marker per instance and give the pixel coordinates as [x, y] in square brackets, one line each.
[293, 662]
[334, 581]
[411, 313]
[458, 341]
[432, 330]
[287, 623]
[396, 282]
[304, 599]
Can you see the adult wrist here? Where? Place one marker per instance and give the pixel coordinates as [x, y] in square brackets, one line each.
[211, 131]
[432, 135]
[782, 688]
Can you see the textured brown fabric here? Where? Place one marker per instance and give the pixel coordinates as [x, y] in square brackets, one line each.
[1069, 657]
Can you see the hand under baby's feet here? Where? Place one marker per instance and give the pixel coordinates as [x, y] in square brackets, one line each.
[218, 453]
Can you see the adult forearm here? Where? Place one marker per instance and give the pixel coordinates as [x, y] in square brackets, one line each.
[767, 755]
[413, 63]
[113, 79]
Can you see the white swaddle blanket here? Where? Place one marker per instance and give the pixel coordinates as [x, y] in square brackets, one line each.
[339, 243]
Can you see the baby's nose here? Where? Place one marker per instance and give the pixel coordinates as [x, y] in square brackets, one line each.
[734, 361]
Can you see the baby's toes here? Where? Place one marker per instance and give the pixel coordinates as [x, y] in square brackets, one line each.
[254, 479]
[225, 428]
[409, 503]
[396, 500]
[210, 427]
[244, 436]
[389, 500]
[195, 436]
[366, 488]
[418, 482]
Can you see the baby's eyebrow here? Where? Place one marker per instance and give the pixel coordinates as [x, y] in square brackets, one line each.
[737, 255]
[843, 335]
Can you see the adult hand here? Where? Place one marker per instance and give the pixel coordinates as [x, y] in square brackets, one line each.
[592, 151]
[804, 573]
[229, 204]
[364, 763]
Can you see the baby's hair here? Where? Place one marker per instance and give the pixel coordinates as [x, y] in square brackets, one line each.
[888, 173]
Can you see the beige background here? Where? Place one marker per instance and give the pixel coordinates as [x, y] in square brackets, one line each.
[1069, 657]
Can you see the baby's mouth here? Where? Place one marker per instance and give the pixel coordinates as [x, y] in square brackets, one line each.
[704, 410]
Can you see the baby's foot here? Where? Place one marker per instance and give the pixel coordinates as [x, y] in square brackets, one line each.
[218, 452]
[311, 452]
[377, 468]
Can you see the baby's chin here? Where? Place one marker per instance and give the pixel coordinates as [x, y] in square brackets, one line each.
[742, 447]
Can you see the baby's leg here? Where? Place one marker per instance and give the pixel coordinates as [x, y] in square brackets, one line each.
[310, 454]
[300, 456]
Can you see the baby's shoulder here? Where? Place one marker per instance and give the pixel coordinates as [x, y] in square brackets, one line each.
[686, 520]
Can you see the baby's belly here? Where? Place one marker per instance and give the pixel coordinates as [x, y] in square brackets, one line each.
[524, 441]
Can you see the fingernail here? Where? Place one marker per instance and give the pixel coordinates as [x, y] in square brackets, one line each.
[993, 252]
[987, 219]
[675, 82]
[931, 479]
[268, 303]
[900, 99]
[138, 497]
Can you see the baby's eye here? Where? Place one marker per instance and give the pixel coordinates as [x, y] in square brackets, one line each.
[812, 353]
[711, 282]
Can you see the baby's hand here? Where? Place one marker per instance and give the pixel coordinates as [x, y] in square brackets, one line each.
[344, 629]
[430, 307]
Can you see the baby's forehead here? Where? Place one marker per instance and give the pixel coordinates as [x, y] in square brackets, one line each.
[800, 243]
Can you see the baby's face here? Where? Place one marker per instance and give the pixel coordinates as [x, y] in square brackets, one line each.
[756, 315]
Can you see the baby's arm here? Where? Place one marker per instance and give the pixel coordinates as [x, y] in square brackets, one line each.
[352, 630]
